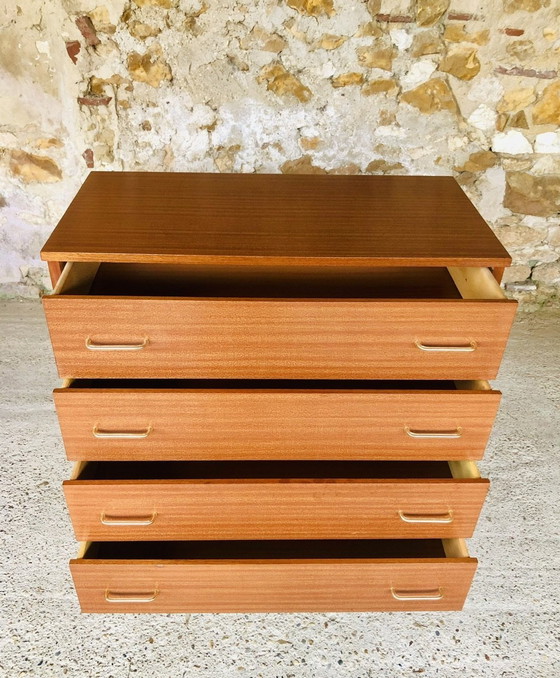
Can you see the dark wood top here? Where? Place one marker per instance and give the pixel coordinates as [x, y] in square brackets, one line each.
[273, 219]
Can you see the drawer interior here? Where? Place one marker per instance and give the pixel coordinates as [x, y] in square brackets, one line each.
[277, 384]
[288, 470]
[162, 280]
[269, 549]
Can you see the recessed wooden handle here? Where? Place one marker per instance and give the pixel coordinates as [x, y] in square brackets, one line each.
[457, 433]
[435, 594]
[98, 433]
[127, 520]
[467, 348]
[444, 518]
[92, 346]
[118, 597]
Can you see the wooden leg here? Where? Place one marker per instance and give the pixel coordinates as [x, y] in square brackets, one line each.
[55, 270]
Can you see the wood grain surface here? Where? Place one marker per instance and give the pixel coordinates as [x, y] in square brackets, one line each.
[221, 338]
[274, 277]
[273, 219]
[341, 585]
[274, 508]
[55, 271]
[274, 423]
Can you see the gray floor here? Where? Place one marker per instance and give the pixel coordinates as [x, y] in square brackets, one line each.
[509, 627]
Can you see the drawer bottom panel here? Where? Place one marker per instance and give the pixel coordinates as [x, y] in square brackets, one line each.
[275, 576]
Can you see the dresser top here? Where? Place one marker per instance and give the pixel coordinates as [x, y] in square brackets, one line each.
[193, 218]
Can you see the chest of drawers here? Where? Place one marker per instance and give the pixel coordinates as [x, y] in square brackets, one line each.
[275, 389]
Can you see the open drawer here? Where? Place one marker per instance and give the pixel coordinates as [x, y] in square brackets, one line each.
[196, 419]
[174, 321]
[273, 576]
[274, 500]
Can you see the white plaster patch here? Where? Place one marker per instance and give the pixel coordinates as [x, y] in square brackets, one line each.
[401, 39]
[275, 18]
[420, 152]
[251, 124]
[483, 118]
[538, 223]
[261, 58]
[8, 140]
[327, 70]
[486, 90]
[512, 143]
[110, 67]
[9, 271]
[492, 186]
[43, 47]
[432, 130]
[455, 143]
[25, 102]
[547, 142]
[542, 253]
[419, 72]
[391, 131]
[348, 18]
[546, 164]
[347, 131]
[310, 131]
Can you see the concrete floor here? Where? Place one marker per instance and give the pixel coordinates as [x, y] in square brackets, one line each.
[508, 629]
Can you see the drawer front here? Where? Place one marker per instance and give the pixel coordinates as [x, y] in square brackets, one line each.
[143, 510]
[272, 586]
[348, 339]
[136, 424]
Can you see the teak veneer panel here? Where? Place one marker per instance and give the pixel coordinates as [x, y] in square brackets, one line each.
[360, 585]
[284, 508]
[274, 277]
[273, 219]
[224, 338]
[317, 423]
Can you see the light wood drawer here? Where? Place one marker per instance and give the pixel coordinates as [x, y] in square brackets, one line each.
[319, 576]
[116, 321]
[257, 419]
[112, 501]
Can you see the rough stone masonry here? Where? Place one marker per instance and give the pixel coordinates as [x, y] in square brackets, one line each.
[463, 87]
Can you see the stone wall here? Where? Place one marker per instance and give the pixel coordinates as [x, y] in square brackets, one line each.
[463, 87]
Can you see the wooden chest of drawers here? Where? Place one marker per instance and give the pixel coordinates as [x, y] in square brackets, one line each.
[274, 389]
